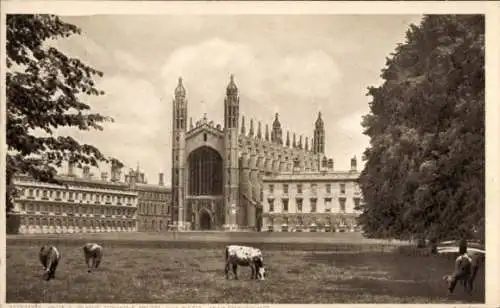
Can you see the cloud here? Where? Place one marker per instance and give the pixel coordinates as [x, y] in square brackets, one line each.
[141, 128]
[129, 61]
[351, 123]
[99, 57]
[261, 77]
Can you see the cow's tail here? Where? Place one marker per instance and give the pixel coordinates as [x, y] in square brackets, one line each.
[51, 262]
[226, 263]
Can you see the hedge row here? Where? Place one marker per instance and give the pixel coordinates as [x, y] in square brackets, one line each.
[12, 224]
[198, 244]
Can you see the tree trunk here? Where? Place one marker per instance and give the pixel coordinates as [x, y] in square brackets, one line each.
[421, 242]
[433, 243]
[462, 246]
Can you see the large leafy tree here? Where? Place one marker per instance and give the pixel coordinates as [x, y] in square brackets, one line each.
[424, 172]
[45, 91]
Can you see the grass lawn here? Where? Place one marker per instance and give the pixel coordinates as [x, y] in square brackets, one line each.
[152, 275]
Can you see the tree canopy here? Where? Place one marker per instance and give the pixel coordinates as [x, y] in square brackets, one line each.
[425, 166]
[45, 91]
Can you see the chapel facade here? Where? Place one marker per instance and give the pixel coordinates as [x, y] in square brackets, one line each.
[217, 171]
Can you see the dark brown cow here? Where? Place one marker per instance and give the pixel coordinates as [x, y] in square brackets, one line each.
[49, 257]
[465, 271]
[92, 251]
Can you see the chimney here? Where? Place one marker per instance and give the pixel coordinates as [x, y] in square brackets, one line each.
[86, 172]
[160, 180]
[330, 164]
[296, 165]
[142, 177]
[104, 176]
[132, 178]
[324, 162]
[354, 164]
[115, 173]
[71, 167]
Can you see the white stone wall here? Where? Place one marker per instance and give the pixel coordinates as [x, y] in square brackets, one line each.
[334, 205]
[74, 208]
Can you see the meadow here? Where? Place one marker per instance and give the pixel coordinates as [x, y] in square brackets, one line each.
[195, 275]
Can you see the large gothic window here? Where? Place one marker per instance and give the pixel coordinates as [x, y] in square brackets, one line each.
[205, 172]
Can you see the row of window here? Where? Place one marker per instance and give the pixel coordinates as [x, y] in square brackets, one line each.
[153, 209]
[155, 196]
[300, 221]
[314, 187]
[77, 209]
[71, 196]
[67, 222]
[153, 225]
[313, 204]
[249, 145]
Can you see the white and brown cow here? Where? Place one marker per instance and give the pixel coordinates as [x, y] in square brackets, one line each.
[92, 251]
[244, 256]
[465, 271]
[49, 257]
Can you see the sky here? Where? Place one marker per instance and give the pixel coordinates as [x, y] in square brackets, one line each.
[295, 65]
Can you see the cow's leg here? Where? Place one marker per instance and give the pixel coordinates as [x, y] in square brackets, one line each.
[254, 271]
[94, 260]
[235, 272]
[87, 262]
[452, 285]
[226, 270]
[471, 279]
[87, 258]
[97, 262]
[90, 264]
[465, 283]
[44, 263]
[53, 269]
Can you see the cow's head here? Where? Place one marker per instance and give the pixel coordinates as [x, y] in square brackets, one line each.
[462, 266]
[449, 279]
[261, 273]
[260, 269]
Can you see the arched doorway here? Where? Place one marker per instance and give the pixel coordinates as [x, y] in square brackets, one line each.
[205, 172]
[205, 220]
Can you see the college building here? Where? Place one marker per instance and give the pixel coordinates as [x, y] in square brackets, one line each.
[84, 204]
[218, 170]
[154, 202]
[318, 201]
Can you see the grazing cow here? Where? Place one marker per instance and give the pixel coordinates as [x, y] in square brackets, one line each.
[244, 256]
[49, 257]
[92, 251]
[466, 267]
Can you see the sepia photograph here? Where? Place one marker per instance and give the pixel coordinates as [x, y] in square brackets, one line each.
[228, 158]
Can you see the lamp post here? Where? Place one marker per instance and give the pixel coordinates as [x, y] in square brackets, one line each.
[233, 215]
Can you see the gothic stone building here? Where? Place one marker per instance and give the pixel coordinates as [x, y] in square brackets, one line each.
[217, 171]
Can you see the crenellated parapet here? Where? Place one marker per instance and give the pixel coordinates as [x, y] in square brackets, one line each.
[204, 123]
